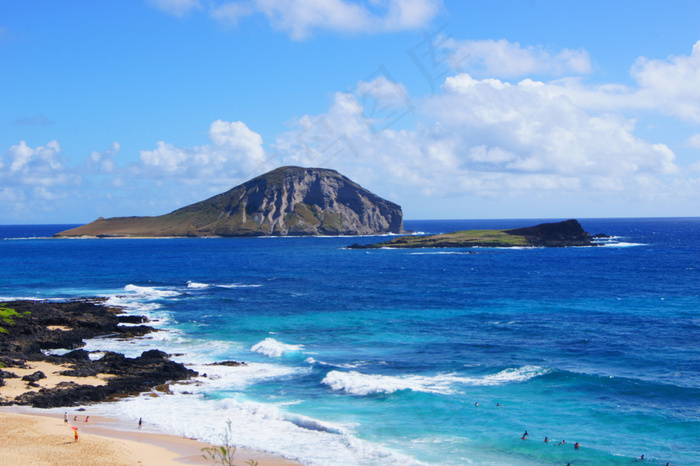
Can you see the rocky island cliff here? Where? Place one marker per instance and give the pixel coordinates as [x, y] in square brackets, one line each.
[292, 201]
[560, 234]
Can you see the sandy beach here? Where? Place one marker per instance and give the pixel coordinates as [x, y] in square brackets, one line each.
[37, 437]
[33, 438]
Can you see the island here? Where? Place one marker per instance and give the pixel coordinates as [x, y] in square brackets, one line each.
[560, 234]
[288, 201]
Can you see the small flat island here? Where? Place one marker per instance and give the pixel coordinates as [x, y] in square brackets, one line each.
[561, 234]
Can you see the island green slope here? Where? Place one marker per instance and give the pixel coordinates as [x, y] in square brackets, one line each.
[561, 234]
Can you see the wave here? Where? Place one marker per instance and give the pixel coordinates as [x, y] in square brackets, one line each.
[621, 244]
[238, 285]
[259, 426]
[357, 383]
[275, 349]
[197, 286]
[150, 292]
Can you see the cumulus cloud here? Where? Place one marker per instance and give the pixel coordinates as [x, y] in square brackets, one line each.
[300, 18]
[501, 58]
[103, 162]
[672, 84]
[488, 138]
[40, 166]
[33, 178]
[235, 151]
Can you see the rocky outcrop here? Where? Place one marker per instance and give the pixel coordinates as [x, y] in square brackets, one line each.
[51, 325]
[567, 233]
[287, 201]
[561, 234]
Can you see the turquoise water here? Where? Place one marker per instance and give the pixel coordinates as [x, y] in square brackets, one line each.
[379, 357]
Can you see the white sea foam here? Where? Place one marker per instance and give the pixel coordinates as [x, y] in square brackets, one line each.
[357, 383]
[238, 285]
[275, 349]
[520, 374]
[265, 427]
[150, 292]
[224, 378]
[621, 244]
[196, 286]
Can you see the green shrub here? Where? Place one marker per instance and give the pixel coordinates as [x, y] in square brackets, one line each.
[224, 453]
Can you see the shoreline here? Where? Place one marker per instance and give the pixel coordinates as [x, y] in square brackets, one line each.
[31, 436]
[36, 390]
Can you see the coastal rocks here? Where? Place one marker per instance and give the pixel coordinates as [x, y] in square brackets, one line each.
[64, 325]
[35, 377]
[131, 376]
[54, 325]
[287, 201]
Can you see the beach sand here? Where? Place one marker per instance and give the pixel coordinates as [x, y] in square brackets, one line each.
[15, 387]
[35, 437]
[45, 439]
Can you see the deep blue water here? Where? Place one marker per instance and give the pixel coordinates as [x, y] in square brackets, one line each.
[379, 357]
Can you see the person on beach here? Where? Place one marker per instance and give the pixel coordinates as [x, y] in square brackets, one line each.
[75, 430]
[140, 422]
[65, 418]
[86, 418]
[75, 418]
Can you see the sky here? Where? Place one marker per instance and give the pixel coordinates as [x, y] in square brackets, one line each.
[451, 109]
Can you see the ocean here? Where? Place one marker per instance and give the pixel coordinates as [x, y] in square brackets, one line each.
[401, 357]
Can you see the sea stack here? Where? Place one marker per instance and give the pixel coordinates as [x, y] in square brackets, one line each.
[291, 201]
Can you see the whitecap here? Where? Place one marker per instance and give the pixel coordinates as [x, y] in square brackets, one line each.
[197, 286]
[238, 285]
[274, 349]
[357, 383]
[150, 292]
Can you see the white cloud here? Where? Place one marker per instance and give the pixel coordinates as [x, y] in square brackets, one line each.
[235, 151]
[176, 7]
[672, 85]
[486, 138]
[39, 165]
[300, 18]
[694, 141]
[103, 162]
[501, 58]
[33, 179]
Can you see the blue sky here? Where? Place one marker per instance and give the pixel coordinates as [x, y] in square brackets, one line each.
[452, 109]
